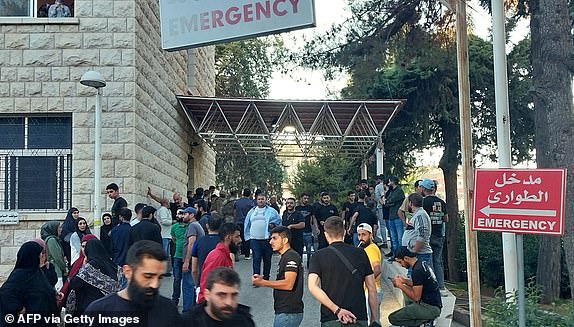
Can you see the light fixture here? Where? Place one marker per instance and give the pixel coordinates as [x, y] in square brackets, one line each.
[94, 79]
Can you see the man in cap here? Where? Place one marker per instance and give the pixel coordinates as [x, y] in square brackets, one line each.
[436, 209]
[365, 234]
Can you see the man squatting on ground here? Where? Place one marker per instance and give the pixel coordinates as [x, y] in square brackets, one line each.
[424, 302]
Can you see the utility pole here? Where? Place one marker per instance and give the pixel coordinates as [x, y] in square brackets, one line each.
[459, 7]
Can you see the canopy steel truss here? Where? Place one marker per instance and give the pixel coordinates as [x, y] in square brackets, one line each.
[289, 127]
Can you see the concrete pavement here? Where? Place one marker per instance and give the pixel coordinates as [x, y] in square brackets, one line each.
[261, 299]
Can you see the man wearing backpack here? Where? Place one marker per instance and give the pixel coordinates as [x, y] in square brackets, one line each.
[337, 274]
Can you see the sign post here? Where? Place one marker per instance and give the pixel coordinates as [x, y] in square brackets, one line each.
[521, 201]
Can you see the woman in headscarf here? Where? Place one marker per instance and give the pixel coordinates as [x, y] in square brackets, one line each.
[27, 290]
[48, 269]
[50, 233]
[69, 227]
[98, 277]
[75, 268]
[106, 233]
[81, 230]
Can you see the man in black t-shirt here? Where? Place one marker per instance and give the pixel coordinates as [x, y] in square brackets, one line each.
[422, 289]
[145, 266]
[145, 229]
[306, 211]
[113, 192]
[347, 212]
[294, 220]
[288, 288]
[336, 278]
[436, 209]
[323, 210]
[360, 215]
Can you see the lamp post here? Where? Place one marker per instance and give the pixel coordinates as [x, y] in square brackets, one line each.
[94, 79]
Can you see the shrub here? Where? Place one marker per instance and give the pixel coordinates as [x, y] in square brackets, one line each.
[499, 312]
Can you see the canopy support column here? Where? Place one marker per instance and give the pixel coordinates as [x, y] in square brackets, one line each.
[380, 153]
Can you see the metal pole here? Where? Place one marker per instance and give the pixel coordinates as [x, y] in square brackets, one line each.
[97, 160]
[380, 155]
[521, 297]
[503, 131]
[467, 163]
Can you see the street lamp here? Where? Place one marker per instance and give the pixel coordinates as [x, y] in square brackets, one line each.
[94, 79]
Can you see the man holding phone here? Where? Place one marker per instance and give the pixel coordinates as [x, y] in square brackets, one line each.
[424, 303]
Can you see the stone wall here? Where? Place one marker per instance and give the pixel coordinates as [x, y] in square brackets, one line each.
[146, 137]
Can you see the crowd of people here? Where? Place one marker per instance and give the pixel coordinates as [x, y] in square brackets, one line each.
[119, 271]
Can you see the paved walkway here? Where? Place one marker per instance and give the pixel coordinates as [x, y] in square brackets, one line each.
[261, 299]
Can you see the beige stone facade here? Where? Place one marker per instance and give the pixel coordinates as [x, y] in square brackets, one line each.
[146, 137]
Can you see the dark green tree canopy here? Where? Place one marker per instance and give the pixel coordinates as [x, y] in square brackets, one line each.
[243, 68]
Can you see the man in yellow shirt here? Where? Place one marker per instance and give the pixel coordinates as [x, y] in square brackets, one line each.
[365, 235]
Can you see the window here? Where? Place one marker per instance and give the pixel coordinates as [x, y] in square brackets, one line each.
[30, 8]
[35, 162]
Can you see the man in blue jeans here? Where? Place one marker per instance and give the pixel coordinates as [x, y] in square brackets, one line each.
[193, 232]
[258, 222]
[306, 210]
[177, 235]
[288, 288]
[436, 209]
[393, 201]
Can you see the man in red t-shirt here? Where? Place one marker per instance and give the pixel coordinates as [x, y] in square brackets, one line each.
[220, 256]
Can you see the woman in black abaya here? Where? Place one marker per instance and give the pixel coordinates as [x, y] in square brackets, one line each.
[27, 290]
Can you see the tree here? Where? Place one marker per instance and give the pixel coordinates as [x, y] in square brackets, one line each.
[262, 171]
[552, 67]
[243, 69]
[327, 173]
[405, 49]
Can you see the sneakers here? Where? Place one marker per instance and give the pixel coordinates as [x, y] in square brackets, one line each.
[444, 292]
[429, 323]
[389, 255]
[247, 258]
[391, 259]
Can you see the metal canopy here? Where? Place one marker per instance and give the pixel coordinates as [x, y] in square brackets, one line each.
[289, 127]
